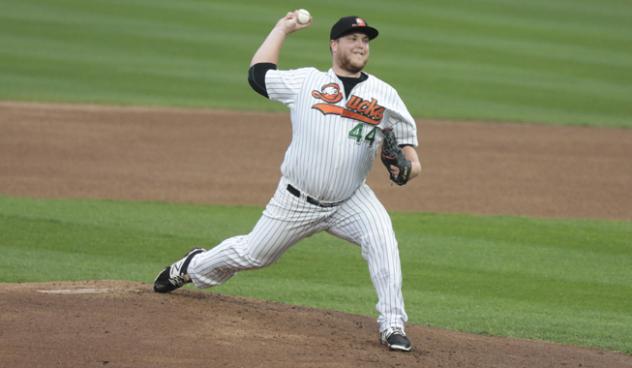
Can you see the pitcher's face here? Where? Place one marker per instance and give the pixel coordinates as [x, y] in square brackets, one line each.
[351, 52]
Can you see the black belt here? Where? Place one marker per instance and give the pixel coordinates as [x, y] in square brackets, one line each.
[297, 193]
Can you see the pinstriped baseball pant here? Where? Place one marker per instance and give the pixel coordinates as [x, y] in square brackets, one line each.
[362, 220]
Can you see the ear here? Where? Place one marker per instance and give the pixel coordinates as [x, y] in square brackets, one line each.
[333, 45]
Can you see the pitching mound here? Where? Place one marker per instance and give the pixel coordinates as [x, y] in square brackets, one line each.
[123, 324]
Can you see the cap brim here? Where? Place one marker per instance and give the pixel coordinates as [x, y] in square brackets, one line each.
[367, 30]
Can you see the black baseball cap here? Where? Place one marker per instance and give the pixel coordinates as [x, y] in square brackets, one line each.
[350, 24]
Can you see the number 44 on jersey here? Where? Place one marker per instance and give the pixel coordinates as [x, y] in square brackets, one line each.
[357, 133]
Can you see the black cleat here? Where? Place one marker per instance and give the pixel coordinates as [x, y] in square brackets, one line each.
[175, 276]
[396, 339]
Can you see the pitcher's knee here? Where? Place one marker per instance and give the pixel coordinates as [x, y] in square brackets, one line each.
[258, 261]
[379, 246]
[388, 275]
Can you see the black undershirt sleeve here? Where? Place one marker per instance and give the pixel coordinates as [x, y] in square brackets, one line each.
[257, 77]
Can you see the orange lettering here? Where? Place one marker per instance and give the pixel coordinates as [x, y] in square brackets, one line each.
[354, 102]
[356, 108]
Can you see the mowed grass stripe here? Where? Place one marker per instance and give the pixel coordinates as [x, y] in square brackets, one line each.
[474, 102]
[499, 257]
[498, 47]
[137, 44]
[541, 62]
[527, 92]
[100, 89]
[616, 13]
[561, 280]
[119, 48]
[559, 17]
[546, 76]
[521, 286]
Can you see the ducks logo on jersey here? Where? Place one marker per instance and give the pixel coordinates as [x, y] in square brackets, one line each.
[356, 108]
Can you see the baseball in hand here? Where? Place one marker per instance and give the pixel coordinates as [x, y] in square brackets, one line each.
[303, 16]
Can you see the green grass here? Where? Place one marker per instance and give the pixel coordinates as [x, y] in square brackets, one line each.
[560, 280]
[559, 61]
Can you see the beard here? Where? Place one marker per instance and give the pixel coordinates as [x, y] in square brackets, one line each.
[345, 63]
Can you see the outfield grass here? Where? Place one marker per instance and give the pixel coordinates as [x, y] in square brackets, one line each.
[554, 61]
[561, 280]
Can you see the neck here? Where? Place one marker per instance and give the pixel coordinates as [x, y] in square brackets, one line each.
[345, 73]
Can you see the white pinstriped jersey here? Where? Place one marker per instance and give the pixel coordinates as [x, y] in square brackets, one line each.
[334, 137]
[334, 142]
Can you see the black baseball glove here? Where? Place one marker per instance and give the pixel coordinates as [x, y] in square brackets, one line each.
[392, 155]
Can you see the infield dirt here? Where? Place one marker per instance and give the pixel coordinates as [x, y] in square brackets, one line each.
[222, 157]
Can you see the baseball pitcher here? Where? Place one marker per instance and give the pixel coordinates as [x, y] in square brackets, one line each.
[340, 118]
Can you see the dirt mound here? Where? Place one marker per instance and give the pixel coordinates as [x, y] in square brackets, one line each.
[123, 324]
